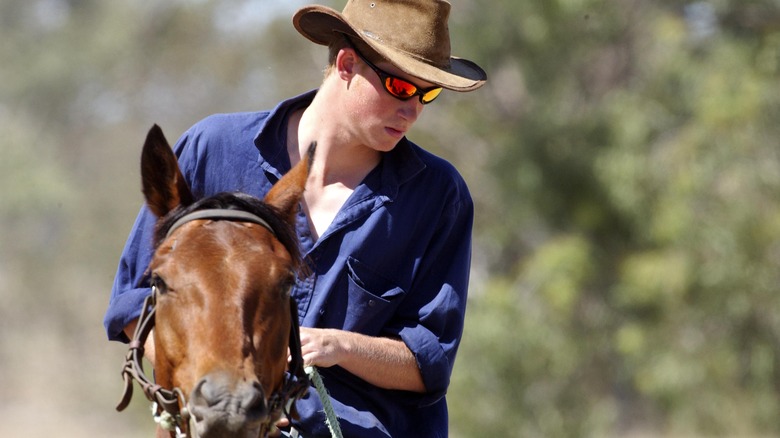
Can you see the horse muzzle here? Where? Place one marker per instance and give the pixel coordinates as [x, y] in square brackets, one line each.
[222, 407]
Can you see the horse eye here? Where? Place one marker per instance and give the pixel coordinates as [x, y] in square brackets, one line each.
[159, 284]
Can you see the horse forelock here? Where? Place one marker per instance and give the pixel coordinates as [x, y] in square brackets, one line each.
[283, 231]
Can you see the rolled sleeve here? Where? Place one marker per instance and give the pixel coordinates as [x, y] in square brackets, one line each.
[431, 359]
[440, 300]
[130, 283]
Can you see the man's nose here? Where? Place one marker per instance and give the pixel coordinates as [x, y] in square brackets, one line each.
[411, 109]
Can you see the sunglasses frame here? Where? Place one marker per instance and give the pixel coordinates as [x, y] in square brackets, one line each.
[385, 77]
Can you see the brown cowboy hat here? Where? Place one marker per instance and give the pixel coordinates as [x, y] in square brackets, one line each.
[411, 34]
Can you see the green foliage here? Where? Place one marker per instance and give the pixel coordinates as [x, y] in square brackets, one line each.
[635, 149]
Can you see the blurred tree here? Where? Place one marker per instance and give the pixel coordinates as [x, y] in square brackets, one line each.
[633, 232]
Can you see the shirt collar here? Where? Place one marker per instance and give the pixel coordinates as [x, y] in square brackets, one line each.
[399, 166]
[271, 138]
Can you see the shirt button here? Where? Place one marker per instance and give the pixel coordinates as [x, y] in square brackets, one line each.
[371, 303]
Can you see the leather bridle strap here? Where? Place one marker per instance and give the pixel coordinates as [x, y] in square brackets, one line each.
[167, 400]
[220, 214]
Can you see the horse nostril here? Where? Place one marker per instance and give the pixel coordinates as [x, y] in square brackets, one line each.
[208, 394]
[216, 397]
[253, 400]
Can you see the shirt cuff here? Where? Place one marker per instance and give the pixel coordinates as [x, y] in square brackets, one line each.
[122, 310]
[432, 361]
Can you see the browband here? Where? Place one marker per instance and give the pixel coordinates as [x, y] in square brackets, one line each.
[220, 214]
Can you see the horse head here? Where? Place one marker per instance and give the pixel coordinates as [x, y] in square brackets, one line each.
[221, 274]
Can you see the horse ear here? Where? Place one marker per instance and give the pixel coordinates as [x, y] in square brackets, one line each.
[287, 192]
[164, 186]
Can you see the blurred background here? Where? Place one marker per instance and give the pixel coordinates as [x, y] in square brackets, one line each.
[624, 159]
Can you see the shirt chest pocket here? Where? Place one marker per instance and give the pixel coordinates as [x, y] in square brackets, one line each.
[372, 299]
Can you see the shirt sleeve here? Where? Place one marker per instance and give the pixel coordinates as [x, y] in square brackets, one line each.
[433, 313]
[131, 285]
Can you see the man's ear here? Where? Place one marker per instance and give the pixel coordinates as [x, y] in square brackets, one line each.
[346, 60]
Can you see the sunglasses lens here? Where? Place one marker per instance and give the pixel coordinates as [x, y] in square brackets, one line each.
[400, 88]
[430, 95]
[405, 90]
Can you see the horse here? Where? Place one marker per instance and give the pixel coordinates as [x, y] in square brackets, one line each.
[227, 347]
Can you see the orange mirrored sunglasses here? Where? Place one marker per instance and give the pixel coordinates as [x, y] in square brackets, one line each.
[397, 87]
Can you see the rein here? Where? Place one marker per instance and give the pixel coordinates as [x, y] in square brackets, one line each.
[169, 405]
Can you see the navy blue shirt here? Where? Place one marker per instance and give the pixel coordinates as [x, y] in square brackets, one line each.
[394, 262]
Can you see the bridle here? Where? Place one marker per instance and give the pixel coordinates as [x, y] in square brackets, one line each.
[169, 405]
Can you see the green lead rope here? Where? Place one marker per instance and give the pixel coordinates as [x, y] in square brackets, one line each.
[330, 415]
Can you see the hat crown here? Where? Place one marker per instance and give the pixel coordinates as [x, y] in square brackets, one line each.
[417, 27]
[410, 34]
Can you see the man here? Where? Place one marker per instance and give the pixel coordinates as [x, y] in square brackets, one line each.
[385, 225]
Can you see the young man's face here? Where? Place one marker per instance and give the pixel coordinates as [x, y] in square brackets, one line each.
[382, 119]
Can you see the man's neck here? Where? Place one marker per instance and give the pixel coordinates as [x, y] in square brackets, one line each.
[340, 164]
[339, 158]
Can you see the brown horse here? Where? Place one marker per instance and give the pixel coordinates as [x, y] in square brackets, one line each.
[223, 318]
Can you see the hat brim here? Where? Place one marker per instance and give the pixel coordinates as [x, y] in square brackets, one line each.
[322, 25]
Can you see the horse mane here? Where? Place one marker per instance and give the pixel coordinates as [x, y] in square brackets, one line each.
[241, 202]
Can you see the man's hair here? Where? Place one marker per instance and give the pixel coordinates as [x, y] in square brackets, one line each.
[340, 43]
[333, 51]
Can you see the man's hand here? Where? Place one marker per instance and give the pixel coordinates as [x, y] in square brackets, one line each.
[283, 422]
[383, 362]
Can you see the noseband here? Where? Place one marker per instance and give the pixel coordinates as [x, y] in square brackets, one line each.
[169, 405]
